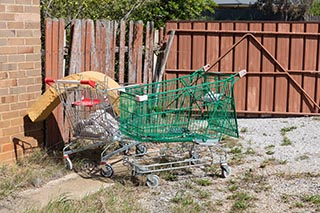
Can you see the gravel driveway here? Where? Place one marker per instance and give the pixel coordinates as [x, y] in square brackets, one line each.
[275, 168]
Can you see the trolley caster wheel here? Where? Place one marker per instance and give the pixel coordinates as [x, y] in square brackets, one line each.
[107, 171]
[195, 158]
[88, 166]
[153, 180]
[141, 149]
[68, 164]
[225, 170]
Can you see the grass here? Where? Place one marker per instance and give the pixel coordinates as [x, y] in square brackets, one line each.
[287, 129]
[118, 198]
[242, 201]
[286, 141]
[312, 199]
[34, 171]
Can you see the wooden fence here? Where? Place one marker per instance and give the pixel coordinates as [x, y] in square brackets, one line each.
[282, 60]
[123, 51]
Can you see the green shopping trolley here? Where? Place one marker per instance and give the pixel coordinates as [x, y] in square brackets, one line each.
[197, 108]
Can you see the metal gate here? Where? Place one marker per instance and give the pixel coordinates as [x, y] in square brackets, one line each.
[282, 60]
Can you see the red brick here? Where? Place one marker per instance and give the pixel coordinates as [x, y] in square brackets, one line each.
[17, 90]
[17, 106]
[32, 41]
[6, 157]
[33, 73]
[7, 17]
[8, 99]
[7, 147]
[27, 17]
[33, 88]
[32, 9]
[2, 7]
[17, 122]
[28, 97]
[33, 57]
[24, 33]
[3, 42]
[14, 8]
[3, 75]
[25, 50]
[4, 107]
[7, 33]
[9, 115]
[20, 74]
[3, 24]
[4, 91]
[8, 67]
[3, 59]
[8, 83]
[8, 50]
[4, 139]
[16, 58]
[15, 25]
[36, 2]
[26, 2]
[15, 41]
[10, 130]
[32, 25]
[25, 66]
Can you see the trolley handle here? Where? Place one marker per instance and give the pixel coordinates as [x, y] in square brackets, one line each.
[91, 83]
[50, 81]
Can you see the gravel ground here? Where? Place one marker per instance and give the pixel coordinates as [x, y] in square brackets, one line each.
[275, 163]
[275, 168]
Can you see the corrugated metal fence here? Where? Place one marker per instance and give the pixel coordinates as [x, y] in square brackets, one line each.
[282, 60]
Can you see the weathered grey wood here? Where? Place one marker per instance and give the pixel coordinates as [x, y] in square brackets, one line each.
[146, 54]
[138, 50]
[151, 53]
[122, 51]
[131, 69]
[166, 54]
[75, 60]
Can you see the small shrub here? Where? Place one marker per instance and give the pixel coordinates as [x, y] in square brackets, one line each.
[287, 129]
[286, 141]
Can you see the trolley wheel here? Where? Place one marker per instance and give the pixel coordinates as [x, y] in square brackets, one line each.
[225, 170]
[153, 180]
[195, 158]
[107, 171]
[141, 149]
[88, 166]
[68, 164]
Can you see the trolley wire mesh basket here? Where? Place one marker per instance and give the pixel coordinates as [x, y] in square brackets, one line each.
[195, 107]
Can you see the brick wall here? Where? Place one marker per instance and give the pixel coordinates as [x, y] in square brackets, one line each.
[20, 77]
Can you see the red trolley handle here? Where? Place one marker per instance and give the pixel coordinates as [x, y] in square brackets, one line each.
[50, 81]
